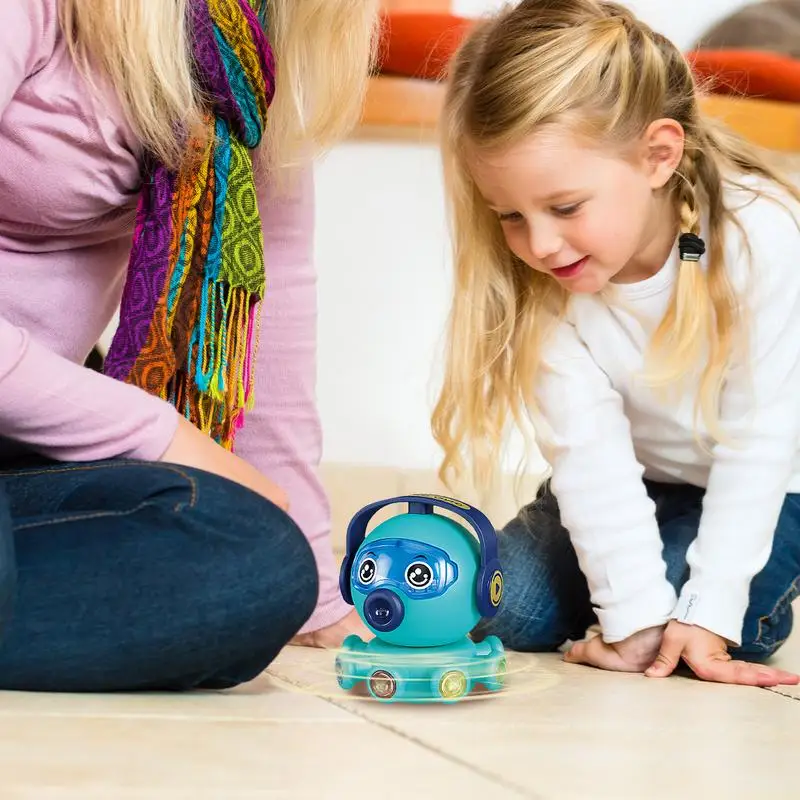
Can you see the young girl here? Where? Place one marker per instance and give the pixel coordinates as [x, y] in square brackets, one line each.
[157, 153]
[627, 272]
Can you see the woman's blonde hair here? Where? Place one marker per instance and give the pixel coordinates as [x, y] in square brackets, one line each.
[324, 52]
[594, 67]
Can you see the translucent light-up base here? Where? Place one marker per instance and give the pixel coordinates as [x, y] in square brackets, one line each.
[443, 674]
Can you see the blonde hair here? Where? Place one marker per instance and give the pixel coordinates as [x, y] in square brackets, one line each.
[596, 68]
[324, 52]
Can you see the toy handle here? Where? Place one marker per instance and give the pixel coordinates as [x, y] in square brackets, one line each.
[423, 504]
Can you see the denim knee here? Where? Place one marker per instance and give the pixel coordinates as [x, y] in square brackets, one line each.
[545, 599]
[282, 564]
[265, 568]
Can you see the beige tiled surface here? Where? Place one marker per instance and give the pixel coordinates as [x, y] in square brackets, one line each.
[248, 743]
[559, 732]
[564, 731]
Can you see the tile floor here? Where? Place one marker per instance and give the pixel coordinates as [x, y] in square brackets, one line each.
[558, 732]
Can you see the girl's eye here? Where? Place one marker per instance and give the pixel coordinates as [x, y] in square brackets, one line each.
[567, 211]
[513, 216]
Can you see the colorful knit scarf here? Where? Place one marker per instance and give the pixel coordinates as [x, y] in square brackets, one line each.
[188, 327]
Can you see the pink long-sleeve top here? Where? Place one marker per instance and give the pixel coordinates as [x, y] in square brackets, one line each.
[69, 177]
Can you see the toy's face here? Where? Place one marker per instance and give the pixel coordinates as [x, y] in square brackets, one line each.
[416, 593]
[400, 566]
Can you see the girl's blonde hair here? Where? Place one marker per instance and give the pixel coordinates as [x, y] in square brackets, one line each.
[594, 67]
[324, 52]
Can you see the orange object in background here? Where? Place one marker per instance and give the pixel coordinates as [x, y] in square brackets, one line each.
[756, 92]
[419, 37]
[748, 73]
[420, 44]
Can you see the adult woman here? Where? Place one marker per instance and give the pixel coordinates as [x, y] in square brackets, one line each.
[150, 153]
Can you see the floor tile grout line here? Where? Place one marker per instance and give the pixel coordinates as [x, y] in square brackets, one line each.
[348, 708]
[773, 690]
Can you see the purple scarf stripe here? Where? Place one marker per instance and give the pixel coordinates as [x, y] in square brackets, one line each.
[212, 70]
[148, 262]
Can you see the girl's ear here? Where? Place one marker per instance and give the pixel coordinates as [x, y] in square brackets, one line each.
[663, 145]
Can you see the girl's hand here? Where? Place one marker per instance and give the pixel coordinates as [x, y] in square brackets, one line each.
[634, 654]
[333, 636]
[707, 656]
[193, 448]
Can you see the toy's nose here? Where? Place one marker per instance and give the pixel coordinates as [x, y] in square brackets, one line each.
[384, 610]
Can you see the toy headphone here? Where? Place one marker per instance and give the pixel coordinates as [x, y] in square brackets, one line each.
[489, 586]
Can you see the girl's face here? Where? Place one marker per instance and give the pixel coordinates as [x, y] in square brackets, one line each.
[584, 216]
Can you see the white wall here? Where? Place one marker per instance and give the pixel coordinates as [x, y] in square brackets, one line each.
[384, 275]
[383, 272]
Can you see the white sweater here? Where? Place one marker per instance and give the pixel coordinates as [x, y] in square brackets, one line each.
[604, 430]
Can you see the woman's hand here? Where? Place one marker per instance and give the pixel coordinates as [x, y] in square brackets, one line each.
[193, 448]
[333, 636]
[707, 656]
[634, 654]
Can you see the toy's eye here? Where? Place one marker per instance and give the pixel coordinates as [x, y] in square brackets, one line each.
[419, 575]
[367, 570]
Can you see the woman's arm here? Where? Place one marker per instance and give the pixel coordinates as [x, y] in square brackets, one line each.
[48, 403]
[71, 413]
[27, 36]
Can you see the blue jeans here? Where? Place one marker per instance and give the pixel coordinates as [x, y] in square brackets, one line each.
[124, 576]
[547, 597]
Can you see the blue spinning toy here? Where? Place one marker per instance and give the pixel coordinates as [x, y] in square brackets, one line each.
[421, 582]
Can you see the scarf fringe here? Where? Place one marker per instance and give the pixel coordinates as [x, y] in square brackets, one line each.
[222, 365]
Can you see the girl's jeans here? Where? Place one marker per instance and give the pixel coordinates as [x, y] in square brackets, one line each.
[547, 598]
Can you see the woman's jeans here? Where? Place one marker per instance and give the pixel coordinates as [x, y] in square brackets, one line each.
[122, 576]
[547, 598]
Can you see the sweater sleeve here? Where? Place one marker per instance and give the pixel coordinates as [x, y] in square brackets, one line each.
[27, 34]
[48, 403]
[71, 413]
[760, 415]
[585, 436]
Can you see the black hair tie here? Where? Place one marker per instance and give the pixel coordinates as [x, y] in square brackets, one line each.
[691, 247]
